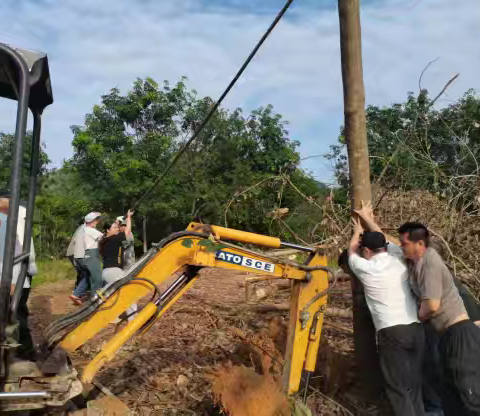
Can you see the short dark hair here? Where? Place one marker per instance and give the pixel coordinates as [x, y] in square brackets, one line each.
[343, 258]
[374, 241]
[416, 232]
[107, 225]
[103, 240]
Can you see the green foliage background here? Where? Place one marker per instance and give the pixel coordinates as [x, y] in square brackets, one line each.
[126, 142]
[242, 168]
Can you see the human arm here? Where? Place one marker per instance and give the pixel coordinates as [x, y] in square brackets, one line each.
[428, 309]
[430, 286]
[32, 264]
[16, 267]
[355, 240]
[366, 214]
[128, 228]
[358, 265]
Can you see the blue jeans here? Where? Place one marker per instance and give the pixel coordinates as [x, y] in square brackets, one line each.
[82, 286]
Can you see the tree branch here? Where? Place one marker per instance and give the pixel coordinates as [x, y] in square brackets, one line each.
[444, 89]
[424, 69]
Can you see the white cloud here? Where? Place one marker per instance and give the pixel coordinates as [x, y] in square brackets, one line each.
[94, 46]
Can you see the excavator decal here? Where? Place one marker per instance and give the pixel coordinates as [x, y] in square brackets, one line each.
[245, 261]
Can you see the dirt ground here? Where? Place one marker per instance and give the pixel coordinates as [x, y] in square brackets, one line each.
[168, 370]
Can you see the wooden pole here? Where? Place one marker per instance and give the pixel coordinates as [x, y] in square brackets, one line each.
[360, 187]
[354, 101]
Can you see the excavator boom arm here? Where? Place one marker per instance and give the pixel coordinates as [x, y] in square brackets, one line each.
[185, 254]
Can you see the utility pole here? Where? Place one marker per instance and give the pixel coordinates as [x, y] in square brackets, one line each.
[359, 168]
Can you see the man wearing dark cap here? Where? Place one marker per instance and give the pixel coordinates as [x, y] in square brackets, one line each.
[400, 335]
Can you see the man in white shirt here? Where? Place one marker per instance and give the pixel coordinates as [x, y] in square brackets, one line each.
[27, 349]
[84, 248]
[75, 251]
[394, 312]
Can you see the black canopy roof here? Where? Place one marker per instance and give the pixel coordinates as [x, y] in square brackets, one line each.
[40, 85]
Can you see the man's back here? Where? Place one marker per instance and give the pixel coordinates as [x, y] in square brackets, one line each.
[32, 266]
[76, 248]
[18, 249]
[387, 290]
[431, 279]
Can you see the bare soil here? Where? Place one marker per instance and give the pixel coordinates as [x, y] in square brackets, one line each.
[168, 371]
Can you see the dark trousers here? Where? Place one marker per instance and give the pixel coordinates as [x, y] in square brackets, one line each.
[432, 371]
[460, 356]
[83, 281]
[401, 349]
[366, 355]
[26, 349]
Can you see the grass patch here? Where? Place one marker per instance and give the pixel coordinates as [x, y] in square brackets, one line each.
[50, 271]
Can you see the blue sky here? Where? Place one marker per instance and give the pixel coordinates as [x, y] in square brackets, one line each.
[96, 45]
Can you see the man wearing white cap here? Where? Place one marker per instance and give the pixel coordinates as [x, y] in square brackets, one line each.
[84, 249]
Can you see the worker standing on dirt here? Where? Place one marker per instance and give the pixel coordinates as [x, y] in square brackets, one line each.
[442, 309]
[75, 251]
[112, 251]
[400, 334]
[84, 246]
[128, 244]
[27, 349]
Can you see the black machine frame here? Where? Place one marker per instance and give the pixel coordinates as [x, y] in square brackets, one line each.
[24, 77]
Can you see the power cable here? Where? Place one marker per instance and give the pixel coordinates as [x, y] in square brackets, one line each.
[215, 106]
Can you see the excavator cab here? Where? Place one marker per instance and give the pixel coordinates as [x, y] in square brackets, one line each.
[25, 78]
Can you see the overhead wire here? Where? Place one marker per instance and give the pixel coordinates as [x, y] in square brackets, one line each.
[74, 319]
[215, 106]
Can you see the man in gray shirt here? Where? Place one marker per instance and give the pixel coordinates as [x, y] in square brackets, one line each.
[442, 307]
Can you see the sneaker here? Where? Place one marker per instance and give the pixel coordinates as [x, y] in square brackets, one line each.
[75, 299]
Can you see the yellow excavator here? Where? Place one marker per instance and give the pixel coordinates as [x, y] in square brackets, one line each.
[175, 261]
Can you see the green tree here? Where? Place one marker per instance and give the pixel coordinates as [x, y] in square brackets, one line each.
[127, 141]
[6, 147]
[413, 145]
[62, 202]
